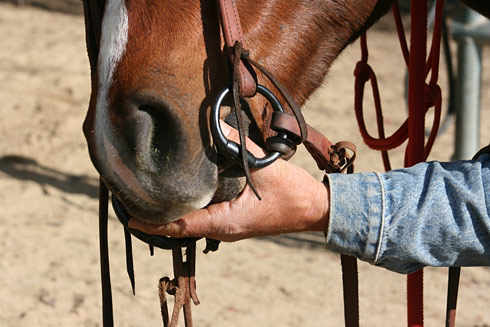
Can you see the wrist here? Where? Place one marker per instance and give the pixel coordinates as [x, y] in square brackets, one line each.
[303, 202]
[317, 213]
[323, 204]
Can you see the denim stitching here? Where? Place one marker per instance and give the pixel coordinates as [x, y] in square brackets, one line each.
[381, 229]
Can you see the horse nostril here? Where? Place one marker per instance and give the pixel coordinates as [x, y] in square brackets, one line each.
[162, 139]
[149, 128]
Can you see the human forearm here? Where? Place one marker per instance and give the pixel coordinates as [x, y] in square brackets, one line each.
[431, 214]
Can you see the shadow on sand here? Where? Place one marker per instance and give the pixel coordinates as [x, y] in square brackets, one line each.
[27, 169]
[305, 240]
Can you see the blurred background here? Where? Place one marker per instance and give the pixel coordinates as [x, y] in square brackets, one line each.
[49, 270]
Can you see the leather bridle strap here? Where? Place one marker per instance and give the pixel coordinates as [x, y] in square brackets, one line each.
[232, 31]
[93, 12]
[329, 157]
[243, 66]
[244, 80]
[452, 295]
[105, 275]
[350, 288]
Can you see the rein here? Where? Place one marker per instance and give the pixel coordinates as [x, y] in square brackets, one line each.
[421, 97]
[291, 130]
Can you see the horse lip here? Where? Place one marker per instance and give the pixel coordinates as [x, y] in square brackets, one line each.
[231, 183]
[156, 215]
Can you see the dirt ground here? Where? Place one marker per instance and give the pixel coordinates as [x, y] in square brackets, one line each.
[49, 271]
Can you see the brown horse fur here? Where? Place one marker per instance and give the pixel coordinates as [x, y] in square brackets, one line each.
[158, 157]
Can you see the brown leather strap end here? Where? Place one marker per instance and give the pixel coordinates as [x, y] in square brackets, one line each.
[248, 78]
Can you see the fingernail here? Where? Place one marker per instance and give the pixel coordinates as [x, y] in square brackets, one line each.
[225, 127]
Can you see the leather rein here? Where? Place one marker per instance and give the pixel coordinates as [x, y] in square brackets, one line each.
[290, 130]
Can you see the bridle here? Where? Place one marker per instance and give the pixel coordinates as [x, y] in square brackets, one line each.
[290, 131]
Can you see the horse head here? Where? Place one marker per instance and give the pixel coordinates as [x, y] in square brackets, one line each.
[161, 65]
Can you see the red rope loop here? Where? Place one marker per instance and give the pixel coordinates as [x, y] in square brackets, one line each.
[428, 98]
[422, 97]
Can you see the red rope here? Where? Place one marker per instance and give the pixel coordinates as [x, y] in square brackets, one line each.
[416, 130]
[401, 31]
[421, 97]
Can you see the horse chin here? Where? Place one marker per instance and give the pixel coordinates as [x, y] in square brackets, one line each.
[161, 214]
[230, 185]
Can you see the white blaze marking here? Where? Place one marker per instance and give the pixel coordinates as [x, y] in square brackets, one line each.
[114, 37]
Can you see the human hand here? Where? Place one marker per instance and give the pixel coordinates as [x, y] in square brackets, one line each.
[292, 201]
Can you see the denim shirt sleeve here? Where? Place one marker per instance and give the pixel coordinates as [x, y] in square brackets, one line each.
[432, 214]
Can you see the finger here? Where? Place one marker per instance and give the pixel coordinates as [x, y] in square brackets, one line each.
[154, 229]
[233, 135]
[198, 223]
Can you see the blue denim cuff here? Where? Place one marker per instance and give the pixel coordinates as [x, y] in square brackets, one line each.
[356, 215]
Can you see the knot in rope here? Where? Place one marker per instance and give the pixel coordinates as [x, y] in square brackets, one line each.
[339, 159]
[363, 71]
[337, 155]
[432, 94]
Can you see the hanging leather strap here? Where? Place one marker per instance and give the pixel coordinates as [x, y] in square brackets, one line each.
[105, 275]
[452, 295]
[182, 287]
[93, 12]
[232, 30]
[350, 287]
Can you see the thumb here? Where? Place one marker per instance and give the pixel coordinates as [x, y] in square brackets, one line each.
[233, 135]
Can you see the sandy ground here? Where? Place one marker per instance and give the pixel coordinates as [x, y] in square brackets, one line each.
[49, 271]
